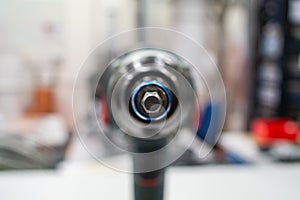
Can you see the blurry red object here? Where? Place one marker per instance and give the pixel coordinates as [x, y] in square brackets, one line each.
[104, 115]
[269, 131]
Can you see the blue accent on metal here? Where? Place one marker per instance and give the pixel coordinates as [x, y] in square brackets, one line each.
[151, 83]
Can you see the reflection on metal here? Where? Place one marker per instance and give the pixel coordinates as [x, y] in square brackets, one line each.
[149, 86]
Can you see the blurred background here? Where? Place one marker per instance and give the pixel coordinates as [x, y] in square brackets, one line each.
[255, 44]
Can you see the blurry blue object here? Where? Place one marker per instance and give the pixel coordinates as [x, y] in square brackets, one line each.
[208, 131]
[205, 124]
[233, 158]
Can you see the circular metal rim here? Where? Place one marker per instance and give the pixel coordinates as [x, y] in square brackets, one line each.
[152, 43]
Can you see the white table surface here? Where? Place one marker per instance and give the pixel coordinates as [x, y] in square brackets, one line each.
[88, 180]
[276, 182]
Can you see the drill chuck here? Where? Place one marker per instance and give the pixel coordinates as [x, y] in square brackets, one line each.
[151, 101]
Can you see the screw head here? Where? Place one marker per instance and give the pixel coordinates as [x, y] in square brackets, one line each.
[152, 102]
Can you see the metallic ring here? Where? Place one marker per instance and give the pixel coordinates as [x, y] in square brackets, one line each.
[138, 89]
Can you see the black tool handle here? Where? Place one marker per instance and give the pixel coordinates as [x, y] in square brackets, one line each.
[150, 185]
